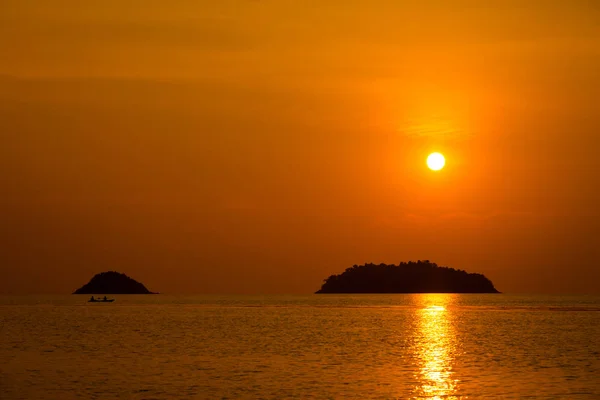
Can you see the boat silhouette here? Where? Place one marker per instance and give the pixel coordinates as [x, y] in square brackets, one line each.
[104, 300]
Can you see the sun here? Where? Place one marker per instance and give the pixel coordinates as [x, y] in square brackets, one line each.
[436, 161]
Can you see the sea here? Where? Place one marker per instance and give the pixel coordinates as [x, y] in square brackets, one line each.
[421, 346]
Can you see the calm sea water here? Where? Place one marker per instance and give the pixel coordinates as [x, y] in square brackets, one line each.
[323, 347]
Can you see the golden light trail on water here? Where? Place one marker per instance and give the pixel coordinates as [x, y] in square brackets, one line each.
[435, 347]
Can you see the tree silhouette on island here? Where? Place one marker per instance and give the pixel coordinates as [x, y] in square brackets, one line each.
[112, 282]
[408, 277]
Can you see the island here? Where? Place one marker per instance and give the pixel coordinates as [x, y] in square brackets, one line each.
[408, 277]
[112, 282]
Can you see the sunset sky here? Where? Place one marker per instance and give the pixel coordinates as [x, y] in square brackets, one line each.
[259, 146]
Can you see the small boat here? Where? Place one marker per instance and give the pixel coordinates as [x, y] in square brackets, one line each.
[93, 300]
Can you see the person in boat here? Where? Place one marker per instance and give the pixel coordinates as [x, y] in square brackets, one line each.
[92, 299]
[105, 298]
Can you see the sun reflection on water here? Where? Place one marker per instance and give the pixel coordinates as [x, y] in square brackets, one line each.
[435, 349]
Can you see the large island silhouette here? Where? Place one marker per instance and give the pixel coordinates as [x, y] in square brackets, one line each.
[112, 282]
[408, 277]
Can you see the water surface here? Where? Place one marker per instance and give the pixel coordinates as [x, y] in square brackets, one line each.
[297, 347]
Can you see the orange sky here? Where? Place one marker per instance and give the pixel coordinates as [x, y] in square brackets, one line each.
[260, 146]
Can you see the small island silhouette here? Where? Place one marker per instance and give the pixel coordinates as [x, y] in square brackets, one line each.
[408, 277]
[112, 282]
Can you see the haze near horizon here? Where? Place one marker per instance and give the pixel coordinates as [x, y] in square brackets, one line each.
[261, 146]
